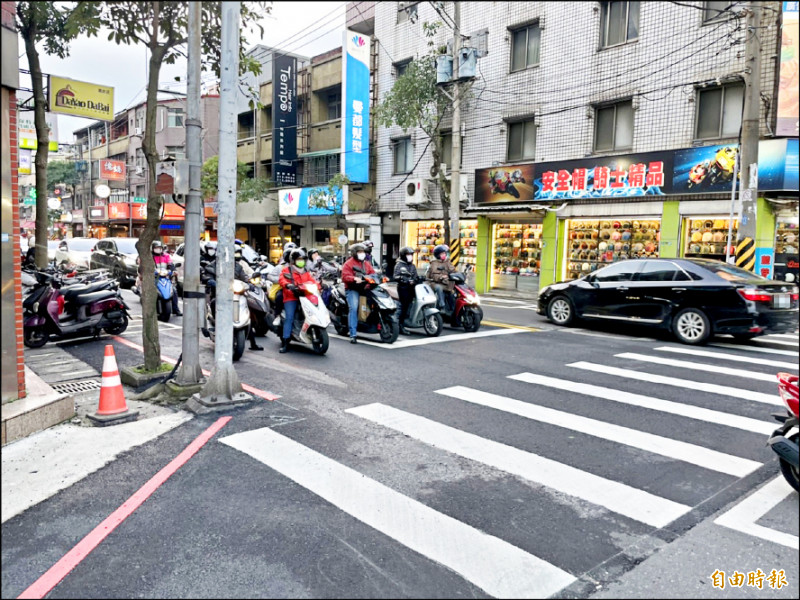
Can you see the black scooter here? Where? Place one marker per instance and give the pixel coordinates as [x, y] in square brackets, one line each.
[377, 311]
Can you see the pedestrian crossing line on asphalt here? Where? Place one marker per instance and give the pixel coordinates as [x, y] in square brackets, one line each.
[789, 336]
[696, 366]
[697, 413]
[744, 515]
[675, 449]
[430, 340]
[695, 386]
[731, 357]
[497, 567]
[754, 349]
[617, 497]
[778, 342]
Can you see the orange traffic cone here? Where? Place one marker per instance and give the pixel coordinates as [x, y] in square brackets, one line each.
[112, 409]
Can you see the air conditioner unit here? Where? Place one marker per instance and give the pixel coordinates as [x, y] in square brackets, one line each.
[139, 170]
[417, 192]
[137, 131]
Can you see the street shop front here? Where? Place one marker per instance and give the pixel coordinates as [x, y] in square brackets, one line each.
[319, 219]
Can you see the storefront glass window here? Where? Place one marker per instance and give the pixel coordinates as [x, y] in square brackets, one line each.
[706, 236]
[593, 244]
[516, 256]
[787, 244]
[424, 236]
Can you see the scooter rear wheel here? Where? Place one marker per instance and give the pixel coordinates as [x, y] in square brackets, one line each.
[35, 337]
[239, 339]
[790, 472]
[164, 308]
[117, 329]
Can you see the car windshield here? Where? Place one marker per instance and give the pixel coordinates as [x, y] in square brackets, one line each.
[731, 273]
[81, 245]
[126, 246]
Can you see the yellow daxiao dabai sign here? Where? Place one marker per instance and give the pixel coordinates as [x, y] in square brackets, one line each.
[81, 99]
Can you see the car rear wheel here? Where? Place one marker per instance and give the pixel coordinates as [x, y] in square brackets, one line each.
[691, 326]
[560, 311]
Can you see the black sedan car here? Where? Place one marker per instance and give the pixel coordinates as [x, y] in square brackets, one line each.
[694, 298]
[118, 255]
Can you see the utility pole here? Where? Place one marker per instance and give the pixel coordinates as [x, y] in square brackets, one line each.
[455, 171]
[223, 387]
[190, 372]
[748, 188]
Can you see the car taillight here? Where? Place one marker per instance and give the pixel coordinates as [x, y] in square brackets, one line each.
[754, 295]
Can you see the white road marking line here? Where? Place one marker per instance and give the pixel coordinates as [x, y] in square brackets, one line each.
[789, 336]
[732, 357]
[505, 300]
[777, 342]
[696, 366]
[665, 406]
[754, 349]
[744, 515]
[436, 340]
[690, 453]
[695, 386]
[616, 497]
[497, 567]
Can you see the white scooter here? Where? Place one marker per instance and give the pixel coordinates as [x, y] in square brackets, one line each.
[311, 320]
[241, 315]
[422, 312]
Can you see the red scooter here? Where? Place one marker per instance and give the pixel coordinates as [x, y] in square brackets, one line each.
[784, 440]
[467, 312]
[50, 311]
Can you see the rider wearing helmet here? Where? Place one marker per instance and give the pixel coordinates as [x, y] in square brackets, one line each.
[354, 283]
[162, 258]
[238, 256]
[405, 274]
[369, 245]
[439, 273]
[287, 249]
[293, 276]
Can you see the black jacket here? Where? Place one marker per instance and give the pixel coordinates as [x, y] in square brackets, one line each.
[404, 272]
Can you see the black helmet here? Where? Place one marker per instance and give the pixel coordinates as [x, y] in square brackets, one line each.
[157, 244]
[237, 249]
[369, 245]
[356, 248]
[297, 253]
[406, 250]
[313, 251]
[439, 250]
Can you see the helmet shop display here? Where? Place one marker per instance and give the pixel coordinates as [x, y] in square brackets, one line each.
[705, 237]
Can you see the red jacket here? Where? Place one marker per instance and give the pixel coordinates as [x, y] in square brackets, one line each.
[348, 276]
[289, 276]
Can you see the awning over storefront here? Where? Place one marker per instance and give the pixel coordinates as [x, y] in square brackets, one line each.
[514, 208]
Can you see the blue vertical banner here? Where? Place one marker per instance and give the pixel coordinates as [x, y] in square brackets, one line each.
[355, 102]
[284, 120]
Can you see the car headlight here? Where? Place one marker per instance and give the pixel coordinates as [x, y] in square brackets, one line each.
[238, 287]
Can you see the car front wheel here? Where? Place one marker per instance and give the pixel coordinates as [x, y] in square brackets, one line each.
[691, 326]
[560, 311]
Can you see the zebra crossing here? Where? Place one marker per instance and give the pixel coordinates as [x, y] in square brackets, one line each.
[650, 481]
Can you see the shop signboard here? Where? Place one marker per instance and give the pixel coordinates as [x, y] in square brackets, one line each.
[173, 212]
[81, 99]
[355, 101]
[788, 101]
[294, 202]
[119, 210]
[97, 213]
[284, 117]
[24, 162]
[513, 183]
[26, 131]
[139, 211]
[112, 169]
[765, 261]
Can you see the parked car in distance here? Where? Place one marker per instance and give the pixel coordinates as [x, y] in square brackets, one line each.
[118, 255]
[75, 251]
[694, 298]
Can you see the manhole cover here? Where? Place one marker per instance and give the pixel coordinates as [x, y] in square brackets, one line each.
[77, 386]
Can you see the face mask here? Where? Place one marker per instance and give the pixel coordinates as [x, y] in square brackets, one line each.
[361, 256]
[211, 251]
[409, 257]
[157, 251]
[300, 264]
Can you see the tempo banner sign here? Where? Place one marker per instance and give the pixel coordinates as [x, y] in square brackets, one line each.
[81, 99]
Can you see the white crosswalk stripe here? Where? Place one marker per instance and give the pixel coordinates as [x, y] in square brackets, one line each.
[696, 366]
[788, 336]
[732, 357]
[778, 342]
[792, 353]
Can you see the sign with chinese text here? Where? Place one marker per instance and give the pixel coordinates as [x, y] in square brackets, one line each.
[296, 202]
[24, 162]
[788, 102]
[284, 119]
[139, 211]
[26, 131]
[355, 103]
[112, 169]
[81, 99]
[97, 213]
[173, 212]
[119, 210]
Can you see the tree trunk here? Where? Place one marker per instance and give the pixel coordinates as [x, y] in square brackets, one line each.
[43, 143]
[150, 340]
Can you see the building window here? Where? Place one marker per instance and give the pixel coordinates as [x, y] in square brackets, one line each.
[401, 68]
[407, 13]
[176, 152]
[619, 23]
[719, 111]
[319, 170]
[447, 149]
[334, 106]
[247, 125]
[717, 11]
[525, 47]
[521, 140]
[174, 117]
[613, 127]
[403, 156]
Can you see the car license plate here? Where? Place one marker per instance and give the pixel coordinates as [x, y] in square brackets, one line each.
[780, 301]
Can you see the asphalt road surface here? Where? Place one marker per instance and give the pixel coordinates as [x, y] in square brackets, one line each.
[525, 461]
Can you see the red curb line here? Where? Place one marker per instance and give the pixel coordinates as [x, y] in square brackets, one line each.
[42, 586]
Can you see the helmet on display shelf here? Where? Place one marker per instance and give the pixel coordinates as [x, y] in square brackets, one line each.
[605, 225]
[638, 247]
[584, 245]
[616, 236]
[638, 236]
[718, 237]
[694, 248]
[626, 235]
[605, 234]
[719, 224]
[594, 235]
[618, 246]
[586, 267]
[637, 225]
[617, 224]
[708, 224]
[602, 247]
[697, 224]
[626, 224]
[649, 247]
[705, 249]
[697, 236]
[707, 237]
[592, 255]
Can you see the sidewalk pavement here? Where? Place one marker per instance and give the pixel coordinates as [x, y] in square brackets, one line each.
[38, 466]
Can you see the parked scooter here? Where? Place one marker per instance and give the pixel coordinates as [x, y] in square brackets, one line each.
[311, 320]
[422, 312]
[467, 312]
[377, 311]
[50, 311]
[241, 312]
[784, 440]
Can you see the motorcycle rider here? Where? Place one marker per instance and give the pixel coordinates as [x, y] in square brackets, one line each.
[354, 284]
[439, 273]
[274, 277]
[317, 266]
[370, 246]
[293, 276]
[405, 274]
[161, 257]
